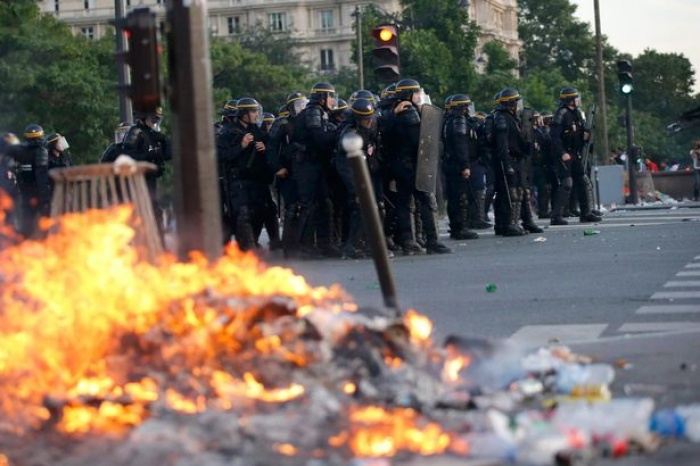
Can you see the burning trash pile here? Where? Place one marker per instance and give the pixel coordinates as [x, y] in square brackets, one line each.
[109, 360]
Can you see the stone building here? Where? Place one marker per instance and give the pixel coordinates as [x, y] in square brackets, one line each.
[324, 28]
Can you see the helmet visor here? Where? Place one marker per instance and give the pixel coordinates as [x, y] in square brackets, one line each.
[62, 144]
[331, 101]
[298, 105]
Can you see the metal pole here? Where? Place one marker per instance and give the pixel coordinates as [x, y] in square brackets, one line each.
[603, 119]
[197, 205]
[360, 64]
[125, 112]
[631, 155]
[373, 226]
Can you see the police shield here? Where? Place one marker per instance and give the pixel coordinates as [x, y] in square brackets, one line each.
[527, 130]
[429, 148]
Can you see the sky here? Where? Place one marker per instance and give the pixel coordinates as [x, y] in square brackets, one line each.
[663, 25]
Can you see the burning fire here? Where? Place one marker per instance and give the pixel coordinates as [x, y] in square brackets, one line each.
[379, 432]
[95, 340]
[80, 306]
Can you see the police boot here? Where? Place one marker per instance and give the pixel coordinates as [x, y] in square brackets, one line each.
[411, 247]
[526, 214]
[589, 197]
[544, 197]
[561, 197]
[513, 228]
[417, 224]
[454, 217]
[465, 212]
[244, 230]
[272, 226]
[477, 212]
[290, 231]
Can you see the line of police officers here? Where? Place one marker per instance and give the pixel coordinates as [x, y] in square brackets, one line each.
[487, 158]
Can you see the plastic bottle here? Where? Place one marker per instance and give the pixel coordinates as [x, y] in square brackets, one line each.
[590, 232]
[579, 376]
[491, 287]
[683, 421]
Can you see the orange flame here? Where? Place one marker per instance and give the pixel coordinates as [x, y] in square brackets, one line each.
[69, 303]
[454, 363]
[380, 432]
[419, 327]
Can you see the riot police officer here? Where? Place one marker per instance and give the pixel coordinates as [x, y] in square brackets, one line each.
[317, 135]
[404, 128]
[481, 178]
[282, 151]
[361, 121]
[508, 154]
[460, 148]
[246, 174]
[144, 142]
[568, 139]
[530, 149]
[542, 167]
[9, 143]
[32, 159]
[225, 144]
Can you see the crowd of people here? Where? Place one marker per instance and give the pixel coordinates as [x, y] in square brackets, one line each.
[488, 160]
[293, 167]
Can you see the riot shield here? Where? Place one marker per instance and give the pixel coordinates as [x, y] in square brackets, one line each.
[429, 148]
[527, 129]
[590, 128]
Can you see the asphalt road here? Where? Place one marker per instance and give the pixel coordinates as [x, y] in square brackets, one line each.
[630, 292]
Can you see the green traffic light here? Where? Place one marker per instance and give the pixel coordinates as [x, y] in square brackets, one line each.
[626, 88]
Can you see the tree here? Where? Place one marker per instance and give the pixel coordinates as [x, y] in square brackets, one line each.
[554, 39]
[50, 77]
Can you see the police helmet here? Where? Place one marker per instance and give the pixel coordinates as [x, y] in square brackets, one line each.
[342, 106]
[509, 98]
[268, 117]
[230, 108]
[569, 95]
[33, 132]
[547, 118]
[388, 92]
[361, 94]
[8, 139]
[246, 105]
[321, 91]
[462, 103]
[283, 112]
[481, 116]
[448, 102]
[405, 88]
[362, 108]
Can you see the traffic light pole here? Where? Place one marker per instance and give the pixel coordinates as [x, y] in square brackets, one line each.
[631, 155]
[360, 52]
[125, 112]
[197, 206]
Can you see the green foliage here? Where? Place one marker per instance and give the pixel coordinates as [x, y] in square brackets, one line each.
[62, 82]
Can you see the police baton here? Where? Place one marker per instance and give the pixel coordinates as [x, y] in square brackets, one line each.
[352, 144]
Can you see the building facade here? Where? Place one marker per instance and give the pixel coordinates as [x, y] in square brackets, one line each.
[324, 28]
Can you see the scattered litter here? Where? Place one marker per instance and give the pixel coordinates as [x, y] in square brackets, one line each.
[540, 239]
[491, 287]
[623, 364]
[591, 232]
[373, 286]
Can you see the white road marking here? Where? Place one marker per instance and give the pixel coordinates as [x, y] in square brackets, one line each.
[657, 327]
[538, 335]
[676, 295]
[670, 309]
[681, 284]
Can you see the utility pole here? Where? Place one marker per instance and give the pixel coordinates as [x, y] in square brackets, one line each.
[603, 121]
[125, 112]
[197, 206]
[360, 55]
[631, 151]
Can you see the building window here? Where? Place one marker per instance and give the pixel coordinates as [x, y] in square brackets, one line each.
[234, 25]
[56, 6]
[277, 22]
[89, 4]
[327, 62]
[88, 32]
[326, 19]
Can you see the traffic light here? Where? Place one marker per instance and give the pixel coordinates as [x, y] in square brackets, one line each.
[142, 56]
[386, 53]
[624, 76]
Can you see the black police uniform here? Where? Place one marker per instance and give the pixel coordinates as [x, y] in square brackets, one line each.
[459, 139]
[317, 135]
[32, 171]
[508, 154]
[567, 137]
